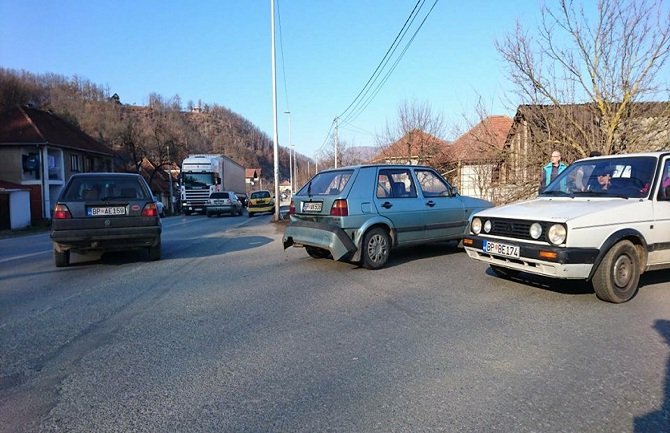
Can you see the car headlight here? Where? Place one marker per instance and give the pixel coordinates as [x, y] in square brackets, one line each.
[557, 234]
[476, 226]
[535, 230]
[487, 226]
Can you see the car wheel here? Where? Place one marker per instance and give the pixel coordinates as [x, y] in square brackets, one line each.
[62, 259]
[376, 248]
[155, 252]
[251, 214]
[617, 277]
[504, 272]
[317, 253]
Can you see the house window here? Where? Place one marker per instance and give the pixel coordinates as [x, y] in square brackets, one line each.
[75, 163]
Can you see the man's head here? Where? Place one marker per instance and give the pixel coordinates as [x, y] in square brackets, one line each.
[555, 157]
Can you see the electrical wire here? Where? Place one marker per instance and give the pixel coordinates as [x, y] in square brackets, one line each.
[354, 114]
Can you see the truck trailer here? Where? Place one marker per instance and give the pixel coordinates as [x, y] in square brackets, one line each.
[204, 174]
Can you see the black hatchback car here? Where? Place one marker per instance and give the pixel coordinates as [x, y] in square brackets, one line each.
[105, 212]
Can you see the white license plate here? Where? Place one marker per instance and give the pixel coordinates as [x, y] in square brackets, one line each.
[500, 249]
[107, 211]
[312, 206]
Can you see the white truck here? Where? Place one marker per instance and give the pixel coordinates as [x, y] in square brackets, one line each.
[204, 174]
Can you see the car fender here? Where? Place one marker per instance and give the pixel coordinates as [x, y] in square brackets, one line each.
[615, 237]
[371, 222]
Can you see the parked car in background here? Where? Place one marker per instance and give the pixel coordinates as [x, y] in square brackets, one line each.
[603, 220]
[360, 213]
[223, 202]
[105, 212]
[243, 198]
[160, 207]
[260, 202]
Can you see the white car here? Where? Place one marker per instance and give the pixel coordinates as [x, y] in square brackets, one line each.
[604, 220]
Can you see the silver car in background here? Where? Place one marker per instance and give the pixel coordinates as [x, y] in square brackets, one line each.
[360, 213]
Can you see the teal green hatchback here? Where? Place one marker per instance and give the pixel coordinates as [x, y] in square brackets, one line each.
[360, 213]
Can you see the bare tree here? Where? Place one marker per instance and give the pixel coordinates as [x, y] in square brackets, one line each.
[416, 135]
[588, 79]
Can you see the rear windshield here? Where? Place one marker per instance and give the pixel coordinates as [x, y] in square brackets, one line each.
[98, 188]
[260, 194]
[327, 183]
[219, 195]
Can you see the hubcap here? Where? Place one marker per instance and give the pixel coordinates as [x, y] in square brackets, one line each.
[377, 248]
[622, 271]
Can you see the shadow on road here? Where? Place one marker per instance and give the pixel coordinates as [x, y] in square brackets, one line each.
[658, 420]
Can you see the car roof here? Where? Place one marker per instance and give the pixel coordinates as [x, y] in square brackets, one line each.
[105, 174]
[359, 166]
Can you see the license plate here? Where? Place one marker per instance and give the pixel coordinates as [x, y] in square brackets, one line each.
[106, 211]
[501, 249]
[312, 206]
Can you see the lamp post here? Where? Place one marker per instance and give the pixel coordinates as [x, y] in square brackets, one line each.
[290, 152]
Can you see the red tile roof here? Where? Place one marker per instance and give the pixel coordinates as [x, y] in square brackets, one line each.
[419, 143]
[25, 125]
[481, 142]
[249, 172]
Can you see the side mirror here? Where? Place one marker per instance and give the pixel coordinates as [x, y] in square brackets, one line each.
[454, 191]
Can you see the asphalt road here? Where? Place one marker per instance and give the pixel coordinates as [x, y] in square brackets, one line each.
[230, 333]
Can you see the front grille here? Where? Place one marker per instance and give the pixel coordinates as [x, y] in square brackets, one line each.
[518, 229]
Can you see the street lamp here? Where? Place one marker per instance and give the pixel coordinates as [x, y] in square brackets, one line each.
[290, 153]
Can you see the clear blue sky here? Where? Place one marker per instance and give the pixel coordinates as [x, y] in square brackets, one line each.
[219, 52]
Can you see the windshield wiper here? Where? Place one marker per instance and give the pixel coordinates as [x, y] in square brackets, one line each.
[600, 194]
[309, 190]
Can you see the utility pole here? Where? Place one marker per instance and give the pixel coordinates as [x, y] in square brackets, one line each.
[290, 152]
[170, 179]
[336, 139]
[275, 136]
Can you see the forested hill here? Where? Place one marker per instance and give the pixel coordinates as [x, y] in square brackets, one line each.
[162, 132]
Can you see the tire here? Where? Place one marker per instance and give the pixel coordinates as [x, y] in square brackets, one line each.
[251, 214]
[504, 272]
[376, 248]
[155, 252]
[317, 253]
[62, 259]
[209, 215]
[618, 275]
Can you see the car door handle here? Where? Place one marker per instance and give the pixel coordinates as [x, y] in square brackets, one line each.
[430, 203]
[387, 205]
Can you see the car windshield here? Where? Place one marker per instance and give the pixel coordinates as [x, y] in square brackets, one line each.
[625, 177]
[219, 195]
[98, 188]
[260, 194]
[327, 183]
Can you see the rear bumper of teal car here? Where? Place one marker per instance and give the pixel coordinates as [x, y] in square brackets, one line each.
[319, 235]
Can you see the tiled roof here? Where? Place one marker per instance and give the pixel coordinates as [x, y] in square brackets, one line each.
[249, 172]
[482, 141]
[418, 141]
[25, 125]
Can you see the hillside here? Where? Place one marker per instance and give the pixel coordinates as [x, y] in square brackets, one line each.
[162, 132]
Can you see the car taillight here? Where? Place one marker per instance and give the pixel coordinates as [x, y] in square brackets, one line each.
[339, 208]
[61, 212]
[291, 209]
[150, 210]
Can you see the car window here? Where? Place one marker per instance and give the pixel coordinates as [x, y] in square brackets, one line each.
[85, 188]
[621, 177]
[327, 183]
[219, 195]
[395, 183]
[260, 194]
[432, 184]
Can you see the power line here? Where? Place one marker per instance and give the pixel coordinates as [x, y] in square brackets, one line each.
[389, 52]
[353, 116]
